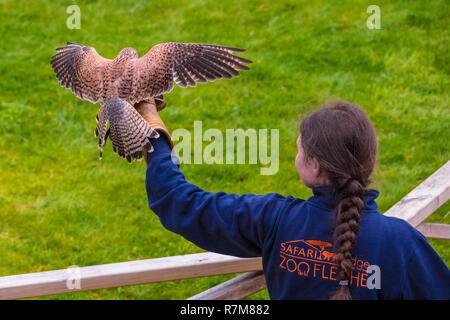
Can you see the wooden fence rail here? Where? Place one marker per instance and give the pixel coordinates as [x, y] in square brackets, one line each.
[123, 274]
[236, 288]
[435, 230]
[415, 207]
[426, 198]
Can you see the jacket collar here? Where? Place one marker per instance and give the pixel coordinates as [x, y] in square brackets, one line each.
[327, 197]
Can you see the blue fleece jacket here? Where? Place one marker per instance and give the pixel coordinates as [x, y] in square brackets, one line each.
[294, 238]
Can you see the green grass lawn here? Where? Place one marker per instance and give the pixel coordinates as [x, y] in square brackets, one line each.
[60, 206]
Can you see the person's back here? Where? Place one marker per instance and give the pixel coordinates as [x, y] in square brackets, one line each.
[299, 259]
[334, 245]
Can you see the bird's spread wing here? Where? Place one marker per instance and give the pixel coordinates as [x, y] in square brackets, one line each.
[79, 68]
[185, 63]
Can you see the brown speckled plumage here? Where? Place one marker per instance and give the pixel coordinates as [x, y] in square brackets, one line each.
[121, 83]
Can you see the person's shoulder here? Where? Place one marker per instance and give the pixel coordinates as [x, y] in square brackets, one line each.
[279, 203]
[285, 200]
[293, 200]
[400, 226]
[398, 231]
[273, 202]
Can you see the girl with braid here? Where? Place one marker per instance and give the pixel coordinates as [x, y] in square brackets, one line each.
[334, 245]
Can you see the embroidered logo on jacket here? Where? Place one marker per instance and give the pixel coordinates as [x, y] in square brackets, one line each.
[314, 258]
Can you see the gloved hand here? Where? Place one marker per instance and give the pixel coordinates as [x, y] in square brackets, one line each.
[149, 111]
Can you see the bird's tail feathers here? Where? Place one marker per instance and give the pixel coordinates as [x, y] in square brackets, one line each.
[129, 132]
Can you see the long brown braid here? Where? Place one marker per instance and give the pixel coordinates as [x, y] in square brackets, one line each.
[342, 139]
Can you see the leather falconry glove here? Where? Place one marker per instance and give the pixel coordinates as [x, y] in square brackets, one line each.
[148, 109]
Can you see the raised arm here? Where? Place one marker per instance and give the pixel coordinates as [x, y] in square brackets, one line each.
[231, 224]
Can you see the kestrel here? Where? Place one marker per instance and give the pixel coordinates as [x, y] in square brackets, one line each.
[121, 83]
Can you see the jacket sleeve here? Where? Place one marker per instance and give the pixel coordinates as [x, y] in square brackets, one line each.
[224, 223]
[427, 276]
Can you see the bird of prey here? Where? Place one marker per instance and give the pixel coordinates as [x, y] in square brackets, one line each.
[119, 84]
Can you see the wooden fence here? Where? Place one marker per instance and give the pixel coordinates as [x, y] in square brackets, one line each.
[415, 207]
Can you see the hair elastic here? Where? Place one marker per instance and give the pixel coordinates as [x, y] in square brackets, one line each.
[343, 283]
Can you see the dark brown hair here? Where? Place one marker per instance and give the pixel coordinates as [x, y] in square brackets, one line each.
[342, 139]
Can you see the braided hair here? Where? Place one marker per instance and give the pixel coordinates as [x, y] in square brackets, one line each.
[342, 139]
